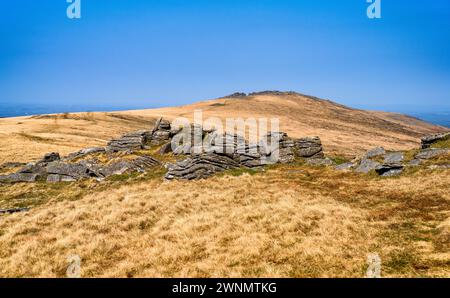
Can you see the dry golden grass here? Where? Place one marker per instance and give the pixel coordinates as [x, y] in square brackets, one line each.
[289, 221]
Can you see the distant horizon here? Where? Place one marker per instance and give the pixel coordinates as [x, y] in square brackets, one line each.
[437, 116]
[171, 53]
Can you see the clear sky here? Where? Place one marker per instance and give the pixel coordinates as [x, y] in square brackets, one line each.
[157, 53]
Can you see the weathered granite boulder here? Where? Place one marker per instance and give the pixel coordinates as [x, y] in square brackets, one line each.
[34, 168]
[53, 178]
[161, 133]
[139, 164]
[375, 152]
[320, 161]
[130, 141]
[20, 177]
[345, 166]
[367, 165]
[75, 171]
[428, 141]
[84, 152]
[431, 153]
[309, 147]
[389, 169]
[200, 166]
[393, 157]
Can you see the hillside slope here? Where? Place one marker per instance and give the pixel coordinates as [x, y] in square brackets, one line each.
[342, 129]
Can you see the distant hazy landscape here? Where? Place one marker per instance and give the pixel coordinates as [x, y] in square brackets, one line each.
[17, 110]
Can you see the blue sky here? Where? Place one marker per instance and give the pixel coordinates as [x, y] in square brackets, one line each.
[156, 53]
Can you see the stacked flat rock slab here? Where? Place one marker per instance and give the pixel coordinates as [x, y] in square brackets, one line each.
[309, 148]
[129, 142]
[392, 165]
[161, 133]
[428, 141]
[200, 166]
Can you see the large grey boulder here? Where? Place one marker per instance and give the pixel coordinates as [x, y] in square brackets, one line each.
[394, 157]
[367, 165]
[428, 141]
[309, 147]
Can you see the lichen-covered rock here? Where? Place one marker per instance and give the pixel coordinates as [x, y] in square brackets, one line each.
[320, 161]
[345, 166]
[76, 171]
[84, 152]
[200, 166]
[53, 178]
[366, 166]
[389, 169]
[394, 157]
[375, 152]
[139, 164]
[309, 147]
[161, 133]
[431, 153]
[19, 177]
[428, 141]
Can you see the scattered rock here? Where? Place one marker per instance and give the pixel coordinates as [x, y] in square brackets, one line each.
[76, 171]
[428, 141]
[389, 169]
[320, 161]
[431, 152]
[394, 157]
[49, 157]
[375, 152]
[84, 152]
[19, 177]
[367, 165]
[345, 166]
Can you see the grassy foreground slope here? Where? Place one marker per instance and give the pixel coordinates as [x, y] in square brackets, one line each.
[286, 221]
